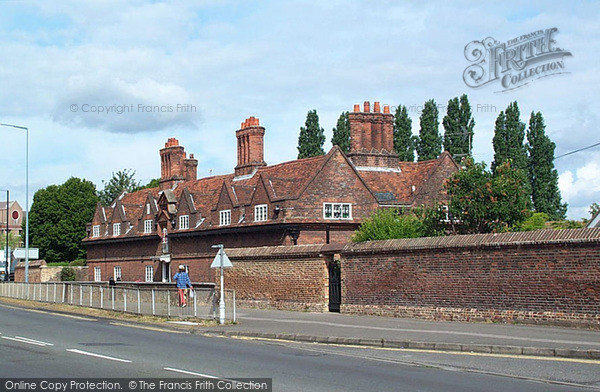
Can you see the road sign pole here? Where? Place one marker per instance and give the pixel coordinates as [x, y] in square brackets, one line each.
[222, 301]
[221, 261]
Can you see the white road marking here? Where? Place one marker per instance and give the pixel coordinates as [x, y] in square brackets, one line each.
[190, 373]
[16, 339]
[34, 341]
[72, 350]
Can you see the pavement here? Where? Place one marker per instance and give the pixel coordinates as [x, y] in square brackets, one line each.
[374, 331]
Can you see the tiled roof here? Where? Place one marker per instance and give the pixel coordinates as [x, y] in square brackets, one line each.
[384, 184]
[284, 181]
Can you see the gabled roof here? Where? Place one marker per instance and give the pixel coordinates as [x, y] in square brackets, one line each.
[595, 221]
[396, 188]
[288, 181]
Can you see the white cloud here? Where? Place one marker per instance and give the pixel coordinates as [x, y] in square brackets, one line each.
[274, 60]
[581, 189]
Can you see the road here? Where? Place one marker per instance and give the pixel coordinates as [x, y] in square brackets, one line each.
[41, 344]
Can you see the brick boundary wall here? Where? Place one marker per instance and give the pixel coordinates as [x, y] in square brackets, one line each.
[281, 277]
[545, 276]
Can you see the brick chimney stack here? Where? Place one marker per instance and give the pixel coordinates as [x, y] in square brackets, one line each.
[371, 135]
[250, 147]
[174, 166]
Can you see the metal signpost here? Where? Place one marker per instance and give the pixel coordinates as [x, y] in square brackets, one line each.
[221, 261]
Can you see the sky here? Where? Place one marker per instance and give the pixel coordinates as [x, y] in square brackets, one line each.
[85, 76]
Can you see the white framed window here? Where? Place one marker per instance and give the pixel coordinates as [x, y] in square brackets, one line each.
[184, 222]
[149, 273]
[96, 231]
[148, 226]
[260, 213]
[224, 218]
[337, 211]
[117, 272]
[116, 229]
[97, 274]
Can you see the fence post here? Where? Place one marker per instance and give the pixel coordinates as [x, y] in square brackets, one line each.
[195, 307]
[138, 302]
[54, 284]
[234, 313]
[47, 292]
[124, 300]
[168, 303]
[71, 290]
[91, 296]
[101, 297]
[113, 297]
[80, 295]
[153, 308]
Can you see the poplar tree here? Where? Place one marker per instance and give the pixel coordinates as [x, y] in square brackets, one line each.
[430, 140]
[543, 177]
[404, 141]
[509, 135]
[458, 125]
[341, 133]
[312, 137]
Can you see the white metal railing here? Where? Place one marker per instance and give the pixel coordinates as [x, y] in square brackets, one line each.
[204, 304]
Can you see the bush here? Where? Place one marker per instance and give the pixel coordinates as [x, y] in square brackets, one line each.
[78, 263]
[387, 223]
[536, 221]
[68, 275]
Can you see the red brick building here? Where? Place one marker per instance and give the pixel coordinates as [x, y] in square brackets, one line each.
[306, 201]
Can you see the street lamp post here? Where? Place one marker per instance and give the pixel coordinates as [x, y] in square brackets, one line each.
[26, 196]
[6, 266]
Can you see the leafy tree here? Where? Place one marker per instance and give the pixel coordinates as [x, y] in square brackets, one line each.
[510, 198]
[430, 140]
[123, 180]
[58, 218]
[312, 137]
[388, 223]
[543, 177]
[594, 208]
[481, 202]
[509, 135]
[458, 126]
[154, 183]
[404, 141]
[469, 198]
[341, 133]
[13, 240]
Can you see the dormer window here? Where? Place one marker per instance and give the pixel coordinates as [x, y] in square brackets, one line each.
[225, 218]
[184, 222]
[148, 226]
[260, 213]
[116, 229]
[96, 231]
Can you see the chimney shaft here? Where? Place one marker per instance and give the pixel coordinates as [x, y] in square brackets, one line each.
[250, 146]
[174, 166]
[372, 134]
